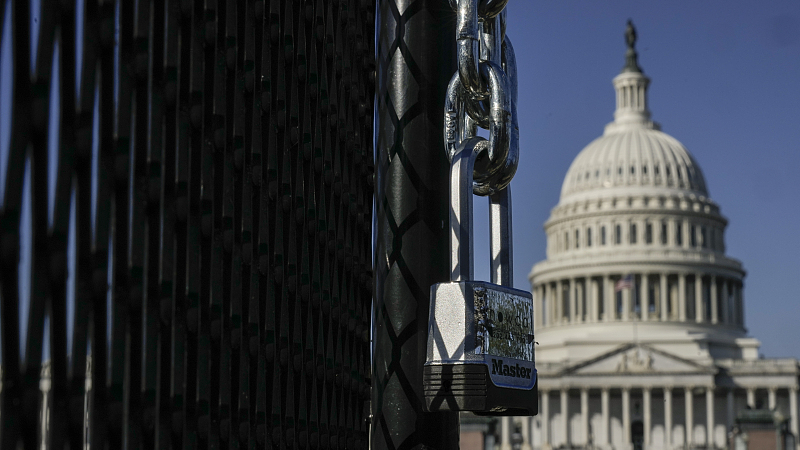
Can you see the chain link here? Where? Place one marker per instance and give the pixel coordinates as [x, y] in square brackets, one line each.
[483, 93]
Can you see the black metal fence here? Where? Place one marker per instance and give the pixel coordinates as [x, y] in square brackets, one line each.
[187, 202]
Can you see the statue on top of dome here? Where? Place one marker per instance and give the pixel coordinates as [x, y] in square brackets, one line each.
[630, 34]
[631, 58]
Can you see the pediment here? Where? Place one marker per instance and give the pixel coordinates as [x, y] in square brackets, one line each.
[639, 359]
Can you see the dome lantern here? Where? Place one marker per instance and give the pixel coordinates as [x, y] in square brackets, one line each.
[631, 86]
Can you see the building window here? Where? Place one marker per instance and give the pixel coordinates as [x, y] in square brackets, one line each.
[648, 233]
[633, 170]
[693, 236]
[577, 238]
[663, 233]
[603, 235]
[633, 233]
[668, 171]
[566, 240]
[703, 237]
[588, 237]
[618, 234]
[644, 170]
[655, 169]
[678, 233]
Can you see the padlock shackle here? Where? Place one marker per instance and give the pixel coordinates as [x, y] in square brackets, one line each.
[500, 238]
[462, 262]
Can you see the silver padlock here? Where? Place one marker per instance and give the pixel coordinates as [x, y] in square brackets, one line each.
[480, 354]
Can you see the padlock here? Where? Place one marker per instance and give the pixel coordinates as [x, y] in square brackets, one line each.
[480, 353]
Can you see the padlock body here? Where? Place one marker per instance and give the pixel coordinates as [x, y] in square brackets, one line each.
[480, 354]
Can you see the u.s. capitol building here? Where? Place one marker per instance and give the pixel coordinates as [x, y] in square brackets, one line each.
[639, 312]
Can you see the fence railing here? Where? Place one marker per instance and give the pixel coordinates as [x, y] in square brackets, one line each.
[187, 201]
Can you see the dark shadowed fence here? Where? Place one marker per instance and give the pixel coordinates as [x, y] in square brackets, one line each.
[186, 210]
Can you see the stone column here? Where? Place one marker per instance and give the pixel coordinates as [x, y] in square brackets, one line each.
[585, 415]
[726, 315]
[505, 433]
[682, 297]
[699, 313]
[626, 304]
[527, 436]
[689, 414]
[644, 300]
[729, 406]
[662, 297]
[710, 416]
[771, 391]
[737, 304]
[573, 302]
[741, 304]
[751, 398]
[647, 413]
[793, 422]
[595, 300]
[565, 416]
[580, 296]
[545, 418]
[685, 234]
[559, 303]
[604, 435]
[667, 417]
[546, 304]
[626, 417]
[537, 306]
[713, 300]
[608, 298]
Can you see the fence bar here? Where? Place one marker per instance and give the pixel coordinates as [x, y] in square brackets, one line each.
[416, 57]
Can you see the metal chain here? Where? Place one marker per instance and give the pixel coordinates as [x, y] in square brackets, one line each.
[483, 93]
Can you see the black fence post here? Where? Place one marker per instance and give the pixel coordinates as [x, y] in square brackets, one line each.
[416, 58]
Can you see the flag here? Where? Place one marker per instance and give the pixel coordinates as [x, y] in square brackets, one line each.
[625, 282]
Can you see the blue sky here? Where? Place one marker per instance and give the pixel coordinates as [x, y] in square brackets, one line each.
[725, 82]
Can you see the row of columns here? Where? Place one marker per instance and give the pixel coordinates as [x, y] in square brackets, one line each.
[688, 393]
[593, 299]
[682, 234]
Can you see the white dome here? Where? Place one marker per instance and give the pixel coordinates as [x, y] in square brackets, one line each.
[634, 156]
[636, 239]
